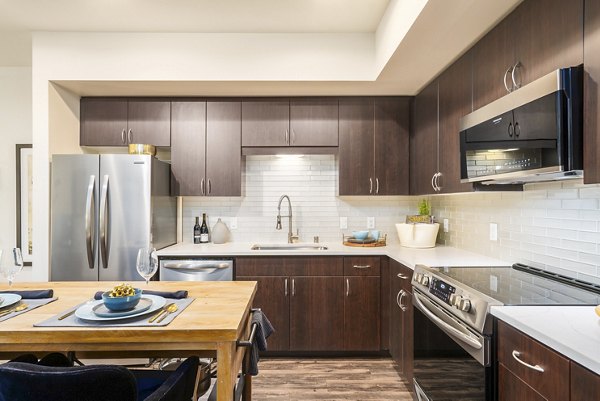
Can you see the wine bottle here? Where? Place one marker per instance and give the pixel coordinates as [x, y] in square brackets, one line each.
[197, 231]
[203, 230]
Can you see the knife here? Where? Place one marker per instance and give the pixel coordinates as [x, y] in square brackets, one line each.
[160, 312]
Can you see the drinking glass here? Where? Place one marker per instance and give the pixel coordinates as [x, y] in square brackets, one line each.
[146, 263]
[11, 265]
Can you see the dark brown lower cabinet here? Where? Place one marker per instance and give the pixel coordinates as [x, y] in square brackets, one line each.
[401, 319]
[362, 314]
[585, 385]
[272, 297]
[317, 314]
[510, 387]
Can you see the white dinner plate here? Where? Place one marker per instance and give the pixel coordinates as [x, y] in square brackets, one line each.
[86, 311]
[142, 306]
[9, 299]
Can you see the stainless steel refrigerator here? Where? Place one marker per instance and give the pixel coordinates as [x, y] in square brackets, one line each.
[103, 209]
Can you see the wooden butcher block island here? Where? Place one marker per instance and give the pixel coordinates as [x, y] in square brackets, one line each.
[210, 326]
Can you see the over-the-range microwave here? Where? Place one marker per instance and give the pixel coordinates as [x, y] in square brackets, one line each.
[532, 134]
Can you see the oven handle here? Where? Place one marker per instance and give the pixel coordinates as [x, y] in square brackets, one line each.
[445, 326]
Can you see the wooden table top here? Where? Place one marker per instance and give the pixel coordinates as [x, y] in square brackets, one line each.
[219, 313]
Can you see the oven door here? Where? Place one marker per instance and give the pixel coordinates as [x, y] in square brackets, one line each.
[451, 360]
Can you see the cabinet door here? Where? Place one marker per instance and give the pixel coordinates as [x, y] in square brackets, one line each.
[492, 56]
[272, 296]
[455, 103]
[223, 149]
[317, 314]
[149, 121]
[396, 334]
[314, 122]
[188, 148]
[511, 388]
[548, 36]
[265, 122]
[591, 104]
[423, 141]
[401, 318]
[103, 122]
[356, 149]
[391, 146]
[407, 338]
[362, 314]
[585, 385]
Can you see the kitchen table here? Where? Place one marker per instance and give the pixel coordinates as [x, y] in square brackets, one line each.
[210, 326]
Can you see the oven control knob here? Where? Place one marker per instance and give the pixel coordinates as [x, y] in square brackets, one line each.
[464, 305]
[425, 280]
[419, 277]
[455, 300]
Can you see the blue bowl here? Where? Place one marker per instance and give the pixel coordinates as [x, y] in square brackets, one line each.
[360, 234]
[121, 303]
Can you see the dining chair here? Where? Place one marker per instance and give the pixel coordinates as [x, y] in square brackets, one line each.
[21, 381]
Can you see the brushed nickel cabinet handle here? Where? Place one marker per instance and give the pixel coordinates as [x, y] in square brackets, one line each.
[293, 287]
[516, 354]
[361, 266]
[402, 276]
[509, 70]
[514, 69]
[370, 185]
[209, 187]
[202, 187]
[123, 136]
[285, 285]
[347, 287]
[130, 136]
[287, 137]
[433, 181]
[377, 185]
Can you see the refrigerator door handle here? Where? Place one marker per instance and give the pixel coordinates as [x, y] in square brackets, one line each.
[103, 222]
[90, 207]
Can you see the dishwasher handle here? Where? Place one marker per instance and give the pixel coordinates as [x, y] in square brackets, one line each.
[197, 266]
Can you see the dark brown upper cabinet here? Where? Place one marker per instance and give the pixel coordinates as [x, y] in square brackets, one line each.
[314, 122]
[300, 122]
[538, 37]
[454, 103]
[118, 122]
[373, 148]
[206, 148]
[591, 104]
[265, 122]
[424, 141]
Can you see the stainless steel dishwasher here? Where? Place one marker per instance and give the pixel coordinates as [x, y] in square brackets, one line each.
[193, 269]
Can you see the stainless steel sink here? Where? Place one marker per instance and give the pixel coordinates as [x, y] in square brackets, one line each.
[288, 247]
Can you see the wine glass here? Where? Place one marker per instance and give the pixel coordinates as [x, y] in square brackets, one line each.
[11, 267]
[146, 263]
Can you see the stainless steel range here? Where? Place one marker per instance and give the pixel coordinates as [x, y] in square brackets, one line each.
[454, 344]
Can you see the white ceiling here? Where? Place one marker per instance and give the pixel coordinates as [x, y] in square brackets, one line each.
[443, 30]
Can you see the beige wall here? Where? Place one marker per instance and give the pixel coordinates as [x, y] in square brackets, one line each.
[15, 128]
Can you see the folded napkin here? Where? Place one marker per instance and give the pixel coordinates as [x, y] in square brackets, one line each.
[31, 294]
[165, 294]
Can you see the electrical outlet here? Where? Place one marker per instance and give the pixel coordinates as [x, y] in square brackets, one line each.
[370, 222]
[343, 223]
[493, 232]
[233, 223]
[446, 225]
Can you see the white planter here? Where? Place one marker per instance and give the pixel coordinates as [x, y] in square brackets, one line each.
[419, 235]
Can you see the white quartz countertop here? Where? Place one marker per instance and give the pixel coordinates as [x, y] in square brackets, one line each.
[573, 331]
[438, 256]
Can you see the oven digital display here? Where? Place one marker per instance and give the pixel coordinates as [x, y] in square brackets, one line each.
[441, 289]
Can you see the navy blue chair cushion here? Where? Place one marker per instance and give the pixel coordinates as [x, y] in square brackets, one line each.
[28, 382]
[164, 385]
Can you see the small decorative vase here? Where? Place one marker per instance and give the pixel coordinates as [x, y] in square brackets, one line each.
[220, 233]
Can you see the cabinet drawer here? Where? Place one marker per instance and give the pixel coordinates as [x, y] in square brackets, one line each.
[548, 372]
[289, 266]
[362, 265]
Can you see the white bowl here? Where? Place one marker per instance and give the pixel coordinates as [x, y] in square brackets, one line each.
[419, 235]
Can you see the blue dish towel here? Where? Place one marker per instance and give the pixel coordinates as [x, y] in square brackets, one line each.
[31, 294]
[264, 329]
[165, 294]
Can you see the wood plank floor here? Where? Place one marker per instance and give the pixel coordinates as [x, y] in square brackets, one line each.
[331, 379]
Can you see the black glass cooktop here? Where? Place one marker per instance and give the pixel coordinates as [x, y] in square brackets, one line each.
[524, 285]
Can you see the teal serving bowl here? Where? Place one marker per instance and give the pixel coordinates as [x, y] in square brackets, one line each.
[360, 234]
[121, 303]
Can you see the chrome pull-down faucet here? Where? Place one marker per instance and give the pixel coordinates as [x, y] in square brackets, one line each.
[291, 237]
